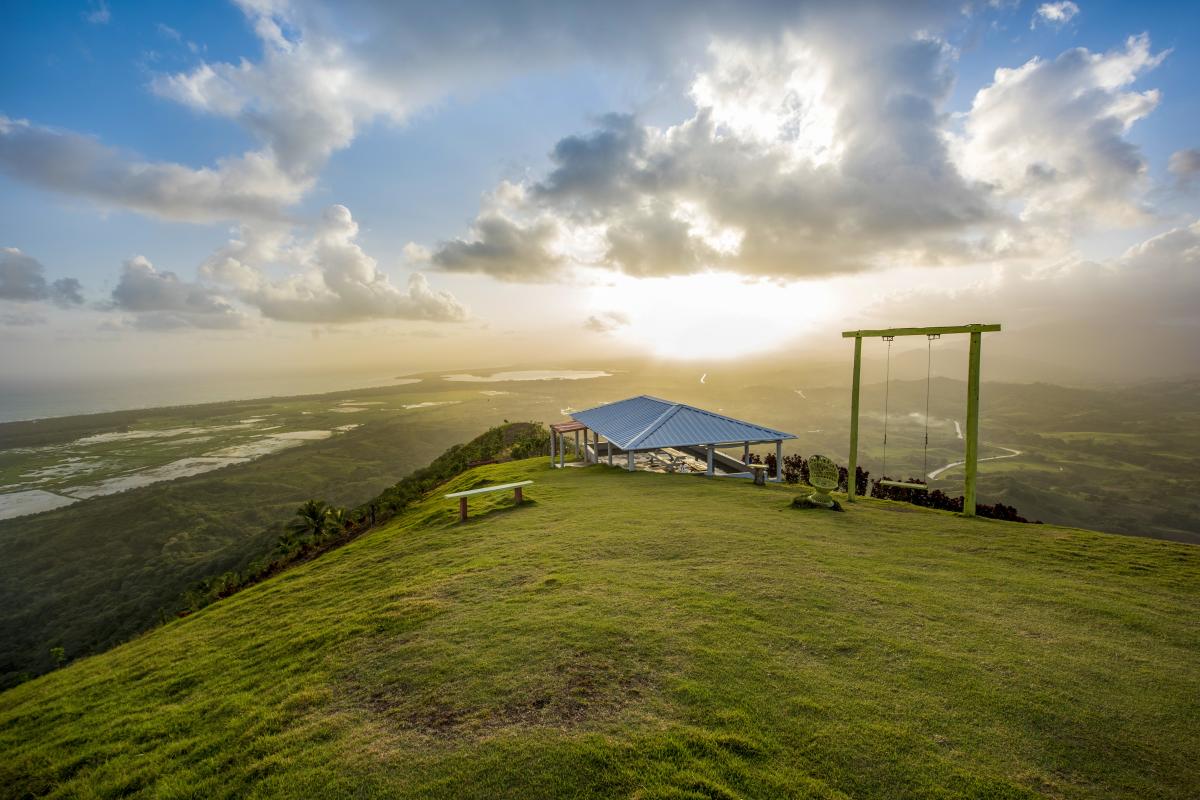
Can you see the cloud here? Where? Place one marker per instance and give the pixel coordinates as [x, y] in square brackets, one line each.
[248, 186]
[1127, 317]
[1185, 165]
[98, 12]
[775, 173]
[335, 281]
[1059, 13]
[503, 249]
[322, 76]
[596, 169]
[23, 279]
[1050, 136]
[21, 319]
[163, 300]
[818, 142]
[1153, 284]
[607, 321]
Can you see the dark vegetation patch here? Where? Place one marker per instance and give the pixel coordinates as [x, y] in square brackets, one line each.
[563, 691]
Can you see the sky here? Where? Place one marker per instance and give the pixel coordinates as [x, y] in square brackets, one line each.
[274, 185]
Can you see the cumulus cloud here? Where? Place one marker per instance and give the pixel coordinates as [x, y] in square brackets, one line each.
[818, 144]
[504, 249]
[1050, 135]
[775, 173]
[162, 300]
[1059, 13]
[248, 186]
[335, 281]
[23, 279]
[322, 76]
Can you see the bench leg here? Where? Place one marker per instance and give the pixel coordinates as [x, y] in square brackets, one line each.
[462, 509]
[517, 496]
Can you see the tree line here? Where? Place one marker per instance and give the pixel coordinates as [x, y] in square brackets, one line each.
[317, 526]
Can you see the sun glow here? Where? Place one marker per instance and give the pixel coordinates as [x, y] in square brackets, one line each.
[778, 97]
[711, 314]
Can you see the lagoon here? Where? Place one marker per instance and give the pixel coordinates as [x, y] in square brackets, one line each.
[530, 375]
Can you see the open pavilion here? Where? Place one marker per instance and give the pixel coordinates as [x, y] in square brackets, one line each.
[660, 434]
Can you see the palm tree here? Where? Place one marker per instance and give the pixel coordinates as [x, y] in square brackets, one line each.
[339, 520]
[312, 519]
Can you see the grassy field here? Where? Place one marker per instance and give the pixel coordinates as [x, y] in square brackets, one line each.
[92, 574]
[651, 636]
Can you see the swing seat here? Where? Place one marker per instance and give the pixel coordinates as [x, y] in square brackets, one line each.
[921, 487]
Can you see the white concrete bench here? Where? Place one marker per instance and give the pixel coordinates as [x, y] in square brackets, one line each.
[462, 496]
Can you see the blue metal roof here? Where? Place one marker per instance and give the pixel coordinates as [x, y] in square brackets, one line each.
[647, 423]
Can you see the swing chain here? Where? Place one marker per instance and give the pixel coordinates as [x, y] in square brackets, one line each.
[887, 389]
[928, 373]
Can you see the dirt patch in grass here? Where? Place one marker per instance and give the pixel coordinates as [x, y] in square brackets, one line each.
[577, 690]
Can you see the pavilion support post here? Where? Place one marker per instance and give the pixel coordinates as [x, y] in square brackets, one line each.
[852, 476]
[553, 436]
[779, 460]
[608, 444]
[709, 469]
[746, 453]
[562, 451]
[972, 444]
[576, 445]
[586, 456]
[629, 461]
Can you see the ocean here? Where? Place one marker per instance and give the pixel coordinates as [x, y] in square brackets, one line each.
[24, 399]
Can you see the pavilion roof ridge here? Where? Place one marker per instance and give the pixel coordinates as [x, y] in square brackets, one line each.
[657, 423]
[676, 407]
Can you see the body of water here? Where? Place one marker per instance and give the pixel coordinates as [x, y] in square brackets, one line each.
[38, 399]
[530, 375]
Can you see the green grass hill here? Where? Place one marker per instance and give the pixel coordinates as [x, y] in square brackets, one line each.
[651, 636]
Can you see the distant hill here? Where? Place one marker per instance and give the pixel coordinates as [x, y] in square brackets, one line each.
[651, 636]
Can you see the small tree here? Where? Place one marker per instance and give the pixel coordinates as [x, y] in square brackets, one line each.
[312, 519]
[339, 520]
[59, 654]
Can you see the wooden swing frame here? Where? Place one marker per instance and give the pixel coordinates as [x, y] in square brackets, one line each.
[970, 435]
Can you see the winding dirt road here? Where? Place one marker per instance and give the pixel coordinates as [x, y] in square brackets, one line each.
[1010, 454]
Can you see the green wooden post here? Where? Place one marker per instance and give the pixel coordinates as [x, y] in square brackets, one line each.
[853, 469]
[972, 454]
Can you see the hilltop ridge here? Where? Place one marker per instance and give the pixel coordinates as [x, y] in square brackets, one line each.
[651, 636]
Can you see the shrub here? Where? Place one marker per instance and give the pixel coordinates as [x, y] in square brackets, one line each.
[795, 470]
